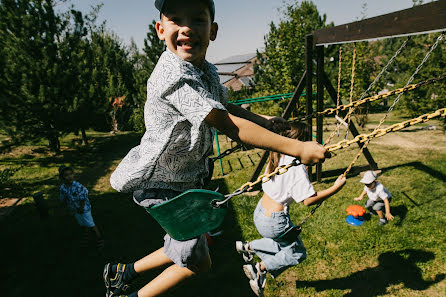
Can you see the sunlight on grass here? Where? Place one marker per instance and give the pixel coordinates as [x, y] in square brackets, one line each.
[407, 257]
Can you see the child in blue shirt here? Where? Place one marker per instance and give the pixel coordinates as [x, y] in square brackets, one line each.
[185, 104]
[75, 197]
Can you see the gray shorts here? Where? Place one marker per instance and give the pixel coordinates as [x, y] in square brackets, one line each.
[184, 253]
[376, 205]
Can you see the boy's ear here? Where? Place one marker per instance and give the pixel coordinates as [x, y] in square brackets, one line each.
[159, 30]
[214, 30]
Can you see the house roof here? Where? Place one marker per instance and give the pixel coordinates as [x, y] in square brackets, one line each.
[228, 68]
[225, 78]
[237, 59]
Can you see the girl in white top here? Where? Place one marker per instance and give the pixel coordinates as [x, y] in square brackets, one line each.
[272, 219]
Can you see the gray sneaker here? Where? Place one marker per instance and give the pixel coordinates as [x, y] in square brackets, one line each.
[240, 247]
[382, 222]
[257, 278]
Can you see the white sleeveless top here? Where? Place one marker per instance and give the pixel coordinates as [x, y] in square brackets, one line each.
[292, 186]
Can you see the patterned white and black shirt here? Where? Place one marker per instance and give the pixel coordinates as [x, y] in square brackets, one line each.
[174, 149]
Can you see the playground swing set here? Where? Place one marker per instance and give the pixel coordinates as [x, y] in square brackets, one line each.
[198, 211]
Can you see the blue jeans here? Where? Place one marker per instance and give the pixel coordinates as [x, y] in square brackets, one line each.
[277, 255]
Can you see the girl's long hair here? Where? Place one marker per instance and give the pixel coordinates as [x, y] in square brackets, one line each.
[298, 131]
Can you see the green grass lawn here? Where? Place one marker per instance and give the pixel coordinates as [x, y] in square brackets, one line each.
[407, 257]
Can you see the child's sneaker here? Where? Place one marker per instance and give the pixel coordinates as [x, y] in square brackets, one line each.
[257, 278]
[382, 222]
[241, 248]
[114, 284]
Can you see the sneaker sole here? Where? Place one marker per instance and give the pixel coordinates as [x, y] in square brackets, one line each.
[239, 247]
[255, 288]
[249, 272]
[105, 275]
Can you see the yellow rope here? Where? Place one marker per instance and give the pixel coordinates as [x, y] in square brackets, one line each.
[339, 79]
[352, 83]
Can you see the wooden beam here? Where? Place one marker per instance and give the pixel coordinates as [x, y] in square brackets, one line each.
[418, 19]
[319, 103]
[309, 90]
[296, 95]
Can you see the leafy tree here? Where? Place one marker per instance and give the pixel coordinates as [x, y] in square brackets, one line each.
[143, 65]
[37, 75]
[428, 98]
[283, 62]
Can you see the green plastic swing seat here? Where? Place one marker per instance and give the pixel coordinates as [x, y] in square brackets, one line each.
[190, 214]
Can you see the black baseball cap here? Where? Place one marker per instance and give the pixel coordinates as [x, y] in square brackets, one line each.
[159, 4]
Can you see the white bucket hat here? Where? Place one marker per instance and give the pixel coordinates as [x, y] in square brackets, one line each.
[368, 178]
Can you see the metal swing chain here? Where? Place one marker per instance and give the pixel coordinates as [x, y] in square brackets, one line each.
[227, 152]
[394, 103]
[250, 185]
[336, 132]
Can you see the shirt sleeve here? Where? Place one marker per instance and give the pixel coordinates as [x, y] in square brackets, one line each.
[193, 101]
[382, 193]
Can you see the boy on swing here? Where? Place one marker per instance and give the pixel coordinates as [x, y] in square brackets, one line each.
[185, 103]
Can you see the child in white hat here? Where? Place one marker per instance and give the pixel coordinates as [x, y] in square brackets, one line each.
[379, 197]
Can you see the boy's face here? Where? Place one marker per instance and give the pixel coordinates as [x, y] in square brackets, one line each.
[68, 177]
[372, 185]
[186, 28]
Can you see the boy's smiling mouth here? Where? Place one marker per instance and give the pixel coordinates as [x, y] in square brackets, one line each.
[185, 44]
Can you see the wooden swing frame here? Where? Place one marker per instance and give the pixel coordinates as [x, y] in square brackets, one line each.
[426, 18]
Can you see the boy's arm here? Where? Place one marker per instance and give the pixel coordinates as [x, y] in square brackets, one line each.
[321, 196]
[245, 131]
[276, 124]
[360, 196]
[389, 216]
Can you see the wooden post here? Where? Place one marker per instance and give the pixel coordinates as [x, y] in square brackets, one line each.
[320, 102]
[309, 88]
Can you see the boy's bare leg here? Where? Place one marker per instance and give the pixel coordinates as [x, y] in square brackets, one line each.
[171, 277]
[380, 214]
[96, 232]
[154, 260]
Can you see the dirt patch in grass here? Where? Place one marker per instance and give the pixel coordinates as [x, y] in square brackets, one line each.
[415, 140]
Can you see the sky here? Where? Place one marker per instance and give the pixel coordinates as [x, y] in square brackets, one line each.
[242, 23]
